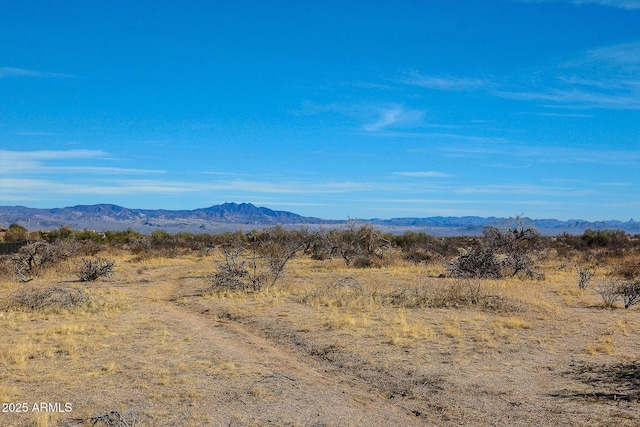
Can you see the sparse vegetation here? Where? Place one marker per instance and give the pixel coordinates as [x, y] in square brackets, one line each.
[420, 329]
[584, 275]
[46, 299]
[93, 269]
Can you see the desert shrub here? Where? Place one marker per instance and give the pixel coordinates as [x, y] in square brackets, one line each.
[612, 289]
[342, 291]
[476, 263]
[32, 258]
[93, 269]
[608, 290]
[318, 245]
[358, 245]
[594, 243]
[517, 245]
[456, 294]
[419, 247]
[141, 247]
[348, 291]
[15, 233]
[88, 248]
[48, 299]
[90, 235]
[616, 239]
[276, 246]
[460, 293]
[629, 269]
[584, 275]
[257, 259]
[232, 272]
[120, 239]
[112, 419]
[629, 293]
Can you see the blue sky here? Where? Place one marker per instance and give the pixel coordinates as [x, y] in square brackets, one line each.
[334, 109]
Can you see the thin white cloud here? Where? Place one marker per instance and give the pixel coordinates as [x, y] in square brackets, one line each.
[564, 115]
[425, 174]
[375, 117]
[36, 133]
[387, 118]
[15, 163]
[31, 161]
[606, 78]
[515, 155]
[576, 98]
[413, 78]
[526, 189]
[396, 115]
[33, 188]
[7, 72]
[619, 4]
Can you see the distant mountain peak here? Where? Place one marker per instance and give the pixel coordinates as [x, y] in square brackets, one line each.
[233, 216]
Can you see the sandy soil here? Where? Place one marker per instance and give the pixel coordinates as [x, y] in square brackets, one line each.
[174, 357]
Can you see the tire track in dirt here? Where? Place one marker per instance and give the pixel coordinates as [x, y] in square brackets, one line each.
[277, 387]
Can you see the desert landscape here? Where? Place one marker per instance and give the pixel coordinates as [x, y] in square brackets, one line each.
[341, 327]
[320, 213]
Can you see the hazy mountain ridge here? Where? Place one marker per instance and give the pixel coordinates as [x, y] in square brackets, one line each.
[232, 216]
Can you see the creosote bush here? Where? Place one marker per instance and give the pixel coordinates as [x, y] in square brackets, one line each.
[584, 275]
[476, 263]
[614, 289]
[358, 245]
[34, 257]
[348, 291]
[507, 251]
[93, 269]
[47, 299]
[629, 293]
[256, 260]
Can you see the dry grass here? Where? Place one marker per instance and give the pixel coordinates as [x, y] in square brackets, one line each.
[327, 345]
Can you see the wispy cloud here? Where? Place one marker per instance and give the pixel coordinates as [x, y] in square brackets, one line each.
[38, 162]
[518, 156]
[31, 161]
[620, 4]
[414, 78]
[7, 72]
[606, 77]
[578, 98]
[396, 115]
[425, 174]
[526, 190]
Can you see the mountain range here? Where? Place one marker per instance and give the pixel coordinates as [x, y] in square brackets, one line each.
[234, 216]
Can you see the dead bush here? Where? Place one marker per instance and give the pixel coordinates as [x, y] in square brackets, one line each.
[457, 294]
[34, 257]
[503, 251]
[342, 291]
[608, 290]
[256, 260]
[49, 299]
[93, 269]
[613, 289]
[476, 263]
[630, 293]
[420, 247]
[358, 245]
[628, 269]
[111, 419]
[348, 291]
[584, 275]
